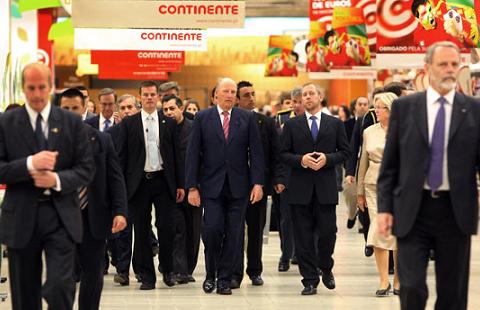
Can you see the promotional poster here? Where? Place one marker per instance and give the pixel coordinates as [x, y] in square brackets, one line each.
[281, 59]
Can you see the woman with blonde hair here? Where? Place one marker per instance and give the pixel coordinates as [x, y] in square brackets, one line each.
[374, 138]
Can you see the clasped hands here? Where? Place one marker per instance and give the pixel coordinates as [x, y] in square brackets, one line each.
[314, 160]
[43, 164]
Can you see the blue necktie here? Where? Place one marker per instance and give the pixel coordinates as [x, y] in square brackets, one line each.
[107, 125]
[314, 127]
[435, 171]
[39, 135]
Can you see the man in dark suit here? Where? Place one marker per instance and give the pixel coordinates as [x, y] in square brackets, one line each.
[108, 116]
[187, 218]
[427, 188]
[153, 174]
[312, 145]
[86, 97]
[44, 159]
[103, 198]
[274, 179]
[224, 165]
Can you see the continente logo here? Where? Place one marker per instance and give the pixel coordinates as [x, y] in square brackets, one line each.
[198, 9]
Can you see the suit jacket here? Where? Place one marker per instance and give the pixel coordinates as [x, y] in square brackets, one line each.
[406, 162]
[89, 115]
[183, 134]
[107, 194]
[349, 125]
[74, 167]
[297, 141]
[274, 168]
[132, 152]
[114, 132]
[95, 121]
[211, 158]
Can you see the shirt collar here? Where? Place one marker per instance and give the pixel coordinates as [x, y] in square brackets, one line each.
[220, 111]
[318, 115]
[103, 119]
[433, 95]
[145, 115]
[33, 114]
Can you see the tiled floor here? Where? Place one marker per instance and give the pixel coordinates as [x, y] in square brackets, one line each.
[355, 274]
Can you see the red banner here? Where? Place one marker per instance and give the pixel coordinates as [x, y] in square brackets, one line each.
[45, 47]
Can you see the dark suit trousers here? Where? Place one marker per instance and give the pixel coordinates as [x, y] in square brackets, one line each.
[287, 243]
[310, 222]
[435, 228]
[255, 219]
[223, 220]
[25, 265]
[91, 257]
[188, 224]
[152, 191]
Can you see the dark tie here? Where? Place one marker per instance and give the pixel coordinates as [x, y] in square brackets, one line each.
[435, 172]
[226, 123]
[314, 127]
[39, 135]
[107, 125]
[83, 197]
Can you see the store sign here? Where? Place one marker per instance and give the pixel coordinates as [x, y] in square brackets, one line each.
[370, 74]
[141, 67]
[140, 39]
[158, 14]
[116, 74]
[139, 57]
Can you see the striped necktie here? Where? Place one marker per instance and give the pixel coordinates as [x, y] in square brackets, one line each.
[83, 197]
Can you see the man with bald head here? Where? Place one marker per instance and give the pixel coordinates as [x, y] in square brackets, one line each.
[44, 159]
[224, 171]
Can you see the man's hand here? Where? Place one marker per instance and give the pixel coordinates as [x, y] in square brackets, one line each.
[44, 160]
[180, 195]
[322, 160]
[309, 160]
[44, 179]
[116, 117]
[349, 179]
[256, 194]
[384, 223]
[362, 202]
[279, 188]
[119, 223]
[194, 197]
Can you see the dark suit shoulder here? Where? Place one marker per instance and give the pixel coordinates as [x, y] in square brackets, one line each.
[92, 120]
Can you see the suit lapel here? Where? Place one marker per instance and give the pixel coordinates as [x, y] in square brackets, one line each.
[459, 110]
[234, 124]
[324, 124]
[214, 117]
[26, 130]
[419, 110]
[54, 128]
[161, 128]
[302, 121]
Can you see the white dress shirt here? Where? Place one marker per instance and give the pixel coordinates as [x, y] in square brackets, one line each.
[32, 116]
[318, 115]
[432, 109]
[101, 122]
[222, 117]
[148, 167]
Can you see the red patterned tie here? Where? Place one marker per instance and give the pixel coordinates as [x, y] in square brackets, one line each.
[226, 123]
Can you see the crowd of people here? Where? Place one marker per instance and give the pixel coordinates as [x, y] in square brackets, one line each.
[81, 186]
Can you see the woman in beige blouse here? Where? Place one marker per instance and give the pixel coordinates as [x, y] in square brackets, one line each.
[370, 161]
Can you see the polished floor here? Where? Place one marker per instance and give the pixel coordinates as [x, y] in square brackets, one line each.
[355, 274]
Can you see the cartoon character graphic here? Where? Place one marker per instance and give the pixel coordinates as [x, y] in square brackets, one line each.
[427, 13]
[276, 66]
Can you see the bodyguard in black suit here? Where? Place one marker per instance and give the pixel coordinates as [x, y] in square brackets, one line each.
[274, 178]
[427, 188]
[44, 159]
[153, 174]
[224, 169]
[312, 145]
[187, 218]
[105, 198]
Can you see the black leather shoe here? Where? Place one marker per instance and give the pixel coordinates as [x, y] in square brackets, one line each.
[169, 279]
[208, 285]
[121, 279]
[138, 277]
[147, 286]
[368, 251]
[234, 283]
[294, 260]
[256, 280]
[283, 266]
[328, 279]
[351, 223]
[182, 278]
[396, 291]
[309, 290]
[384, 292]
[191, 278]
[224, 290]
